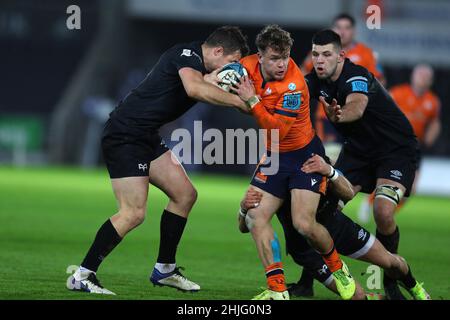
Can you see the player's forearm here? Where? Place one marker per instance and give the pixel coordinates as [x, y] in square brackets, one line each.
[341, 186]
[432, 133]
[352, 111]
[268, 121]
[209, 93]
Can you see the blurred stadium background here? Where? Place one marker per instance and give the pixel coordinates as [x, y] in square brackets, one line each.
[58, 86]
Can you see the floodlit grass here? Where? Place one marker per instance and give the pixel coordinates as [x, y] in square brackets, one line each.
[49, 216]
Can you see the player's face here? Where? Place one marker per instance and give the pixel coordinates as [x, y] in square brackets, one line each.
[422, 78]
[345, 30]
[326, 59]
[273, 64]
[218, 59]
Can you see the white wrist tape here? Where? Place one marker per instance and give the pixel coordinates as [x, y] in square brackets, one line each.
[334, 174]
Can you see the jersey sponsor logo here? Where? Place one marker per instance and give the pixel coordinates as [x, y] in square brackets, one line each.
[324, 94]
[396, 174]
[190, 53]
[313, 182]
[142, 166]
[360, 86]
[268, 92]
[292, 86]
[292, 101]
[323, 270]
[362, 234]
[186, 52]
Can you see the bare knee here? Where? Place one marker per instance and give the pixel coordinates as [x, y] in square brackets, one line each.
[305, 227]
[188, 197]
[182, 199]
[132, 217]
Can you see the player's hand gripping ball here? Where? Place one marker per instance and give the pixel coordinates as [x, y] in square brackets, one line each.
[230, 74]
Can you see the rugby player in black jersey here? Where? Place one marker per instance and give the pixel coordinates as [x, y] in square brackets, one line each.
[380, 149]
[135, 155]
[350, 239]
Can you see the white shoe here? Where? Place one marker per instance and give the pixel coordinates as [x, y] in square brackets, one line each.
[86, 282]
[173, 279]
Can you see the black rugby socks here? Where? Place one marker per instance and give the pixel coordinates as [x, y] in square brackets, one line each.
[390, 242]
[171, 230]
[105, 241]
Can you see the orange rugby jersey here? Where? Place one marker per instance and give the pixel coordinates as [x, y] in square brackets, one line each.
[284, 105]
[358, 54]
[420, 111]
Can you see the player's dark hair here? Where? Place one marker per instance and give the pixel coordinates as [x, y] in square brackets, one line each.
[345, 16]
[327, 36]
[230, 38]
[274, 37]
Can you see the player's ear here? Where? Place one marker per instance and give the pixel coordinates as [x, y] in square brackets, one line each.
[218, 51]
[341, 57]
[259, 56]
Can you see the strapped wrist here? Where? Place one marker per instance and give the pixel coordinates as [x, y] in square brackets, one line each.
[242, 212]
[333, 175]
[252, 102]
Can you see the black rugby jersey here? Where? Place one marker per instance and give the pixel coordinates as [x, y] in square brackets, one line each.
[383, 127]
[161, 98]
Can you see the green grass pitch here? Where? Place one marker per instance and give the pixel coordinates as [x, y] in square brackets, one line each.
[49, 216]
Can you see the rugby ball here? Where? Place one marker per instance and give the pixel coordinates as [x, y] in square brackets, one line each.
[229, 74]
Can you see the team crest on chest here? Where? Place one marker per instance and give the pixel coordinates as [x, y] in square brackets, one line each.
[292, 100]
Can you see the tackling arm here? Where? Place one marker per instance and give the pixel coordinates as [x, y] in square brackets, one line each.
[341, 186]
[354, 107]
[199, 89]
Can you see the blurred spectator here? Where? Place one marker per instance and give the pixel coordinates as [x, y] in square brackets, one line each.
[420, 105]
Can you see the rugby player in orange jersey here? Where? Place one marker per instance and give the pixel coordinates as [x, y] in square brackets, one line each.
[278, 96]
[358, 53]
[420, 105]
[422, 108]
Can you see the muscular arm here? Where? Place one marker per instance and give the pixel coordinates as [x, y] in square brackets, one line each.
[197, 88]
[343, 188]
[354, 107]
